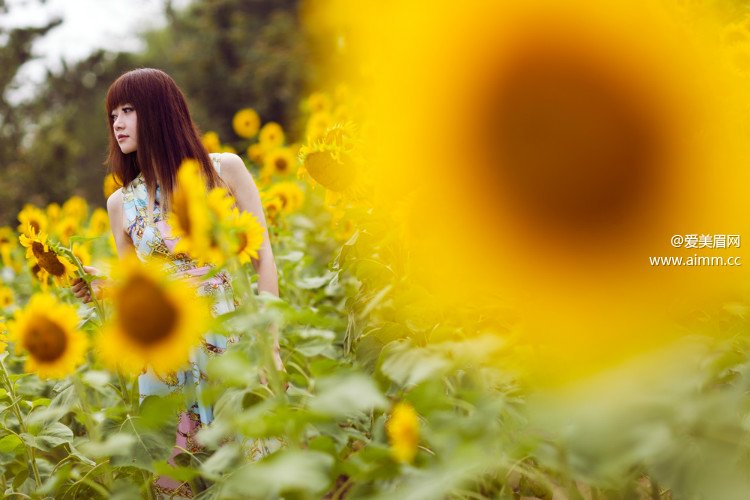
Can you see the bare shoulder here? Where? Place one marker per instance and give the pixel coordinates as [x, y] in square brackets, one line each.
[231, 165]
[114, 202]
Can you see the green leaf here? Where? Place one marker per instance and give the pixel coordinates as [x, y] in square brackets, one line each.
[116, 444]
[313, 282]
[284, 472]
[343, 395]
[20, 478]
[10, 443]
[221, 461]
[408, 365]
[53, 435]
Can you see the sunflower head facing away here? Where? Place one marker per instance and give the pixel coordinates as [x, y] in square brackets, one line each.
[47, 331]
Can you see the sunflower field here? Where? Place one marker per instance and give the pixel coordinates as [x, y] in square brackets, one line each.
[464, 220]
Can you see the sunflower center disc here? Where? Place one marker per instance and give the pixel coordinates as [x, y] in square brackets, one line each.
[146, 315]
[45, 340]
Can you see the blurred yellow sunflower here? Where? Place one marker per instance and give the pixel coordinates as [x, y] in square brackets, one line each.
[8, 241]
[560, 151]
[271, 136]
[246, 123]
[155, 322]
[280, 161]
[318, 102]
[66, 227]
[255, 153]
[7, 297]
[82, 253]
[49, 262]
[317, 125]
[272, 207]
[98, 223]
[33, 217]
[76, 207]
[189, 218]
[54, 212]
[110, 184]
[211, 142]
[402, 428]
[289, 193]
[47, 330]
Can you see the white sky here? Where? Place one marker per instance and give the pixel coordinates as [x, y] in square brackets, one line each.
[87, 25]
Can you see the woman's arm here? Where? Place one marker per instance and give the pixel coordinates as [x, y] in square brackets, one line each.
[122, 241]
[245, 193]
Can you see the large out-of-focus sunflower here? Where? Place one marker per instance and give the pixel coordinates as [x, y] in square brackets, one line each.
[209, 226]
[558, 150]
[47, 330]
[50, 263]
[155, 322]
[190, 219]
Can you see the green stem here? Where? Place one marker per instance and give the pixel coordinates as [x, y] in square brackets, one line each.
[30, 453]
[87, 278]
[91, 426]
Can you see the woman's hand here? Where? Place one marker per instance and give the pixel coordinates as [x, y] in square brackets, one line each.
[83, 291]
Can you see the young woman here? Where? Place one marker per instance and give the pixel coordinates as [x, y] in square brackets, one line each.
[151, 133]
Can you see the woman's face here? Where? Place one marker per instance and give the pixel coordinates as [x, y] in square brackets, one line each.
[125, 126]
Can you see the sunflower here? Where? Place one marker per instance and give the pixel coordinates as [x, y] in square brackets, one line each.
[49, 262]
[8, 240]
[54, 212]
[82, 253]
[98, 223]
[33, 217]
[558, 150]
[190, 218]
[317, 102]
[110, 184]
[255, 153]
[66, 227]
[271, 136]
[289, 193]
[280, 161]
[76, 207]
[46, 330]
[317, 125]
[272, 207]
[156, 321]
[211, 142]
[402, 428]
[7, 297]
[246, 123]
[249, 235]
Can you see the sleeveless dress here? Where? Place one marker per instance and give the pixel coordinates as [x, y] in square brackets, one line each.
[151, 237]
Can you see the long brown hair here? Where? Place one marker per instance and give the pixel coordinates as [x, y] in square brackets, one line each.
[166, 133]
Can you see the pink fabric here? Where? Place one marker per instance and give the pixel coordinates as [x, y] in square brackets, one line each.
[185, 440]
